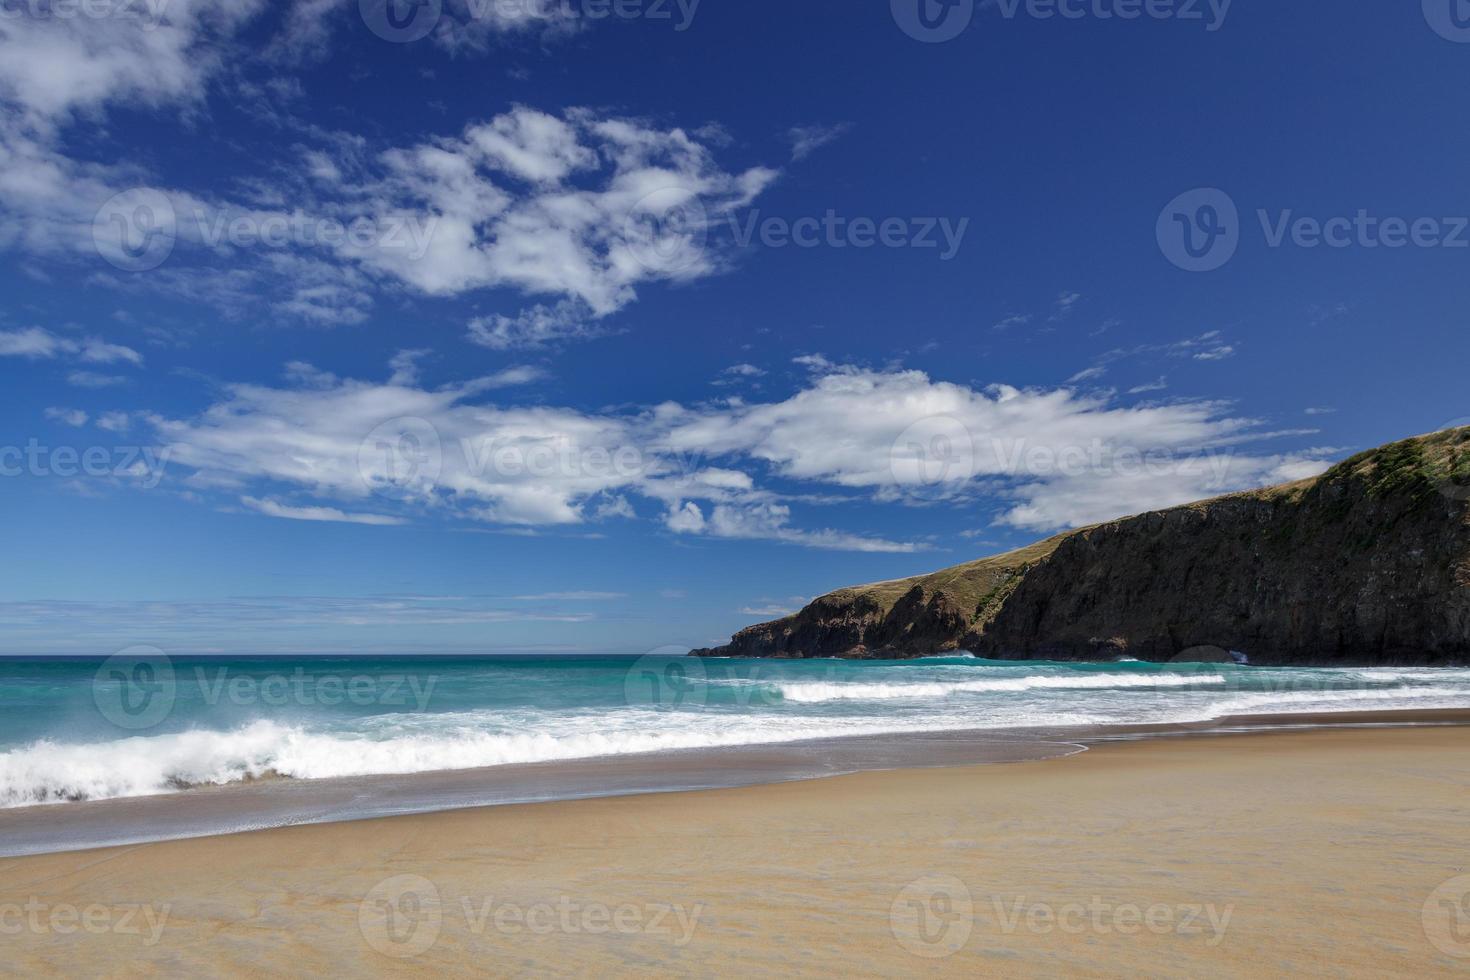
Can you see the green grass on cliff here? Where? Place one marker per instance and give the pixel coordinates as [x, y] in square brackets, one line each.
[973, 585]
[1413, 468]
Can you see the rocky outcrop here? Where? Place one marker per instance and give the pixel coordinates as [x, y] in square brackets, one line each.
[1367, 564]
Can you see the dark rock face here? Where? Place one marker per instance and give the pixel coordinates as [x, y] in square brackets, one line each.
[1368, 564]
[856, 627]
[1335, 577]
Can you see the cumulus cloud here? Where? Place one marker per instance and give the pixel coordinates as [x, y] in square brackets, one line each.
[1040, 459]
[1066, 458]
[52, 68]
[579, 208]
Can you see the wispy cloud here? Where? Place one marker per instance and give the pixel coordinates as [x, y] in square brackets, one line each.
[806, 140]
[274, 508]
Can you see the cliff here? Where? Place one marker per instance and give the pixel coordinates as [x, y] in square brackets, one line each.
[1367, 564]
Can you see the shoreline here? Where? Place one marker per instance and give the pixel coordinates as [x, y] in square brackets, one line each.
[267, 804]
[1268, 853]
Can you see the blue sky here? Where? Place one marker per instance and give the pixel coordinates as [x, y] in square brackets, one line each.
[554, 331]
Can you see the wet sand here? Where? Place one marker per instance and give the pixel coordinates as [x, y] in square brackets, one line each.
[1325, 852]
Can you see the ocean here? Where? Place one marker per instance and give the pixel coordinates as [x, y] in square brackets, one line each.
[142, 724]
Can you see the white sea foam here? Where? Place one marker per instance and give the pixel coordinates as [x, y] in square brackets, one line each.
[49, 772]
[818, 691]
[906, 700]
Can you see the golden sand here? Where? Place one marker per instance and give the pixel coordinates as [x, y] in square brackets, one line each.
[1340, 853]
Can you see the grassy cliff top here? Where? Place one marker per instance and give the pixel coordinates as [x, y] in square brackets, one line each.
[1414, 465]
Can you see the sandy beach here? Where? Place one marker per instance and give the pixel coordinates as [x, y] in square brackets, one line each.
[1329, 853]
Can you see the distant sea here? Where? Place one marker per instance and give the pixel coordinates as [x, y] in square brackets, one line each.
[142, 724]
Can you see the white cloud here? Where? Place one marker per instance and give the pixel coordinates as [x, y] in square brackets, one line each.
[575, 207]
[580, 208]
[31, 342]
[1064, 305]
[74, 417]
[743, 371]
[1136, 487]
[273, 508]
[91, 379]
[1088, 374]
[769, 609]
[405, 367]
[52, 66]
[38, 344]
[685, 518]
[806, 140]
[1016, 320]
[1159, 385]
[114, 421]
[535, 328]
[770, 522]
[1044, 458]
[95, 351]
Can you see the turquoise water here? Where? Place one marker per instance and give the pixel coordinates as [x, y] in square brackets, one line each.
[143, 724]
